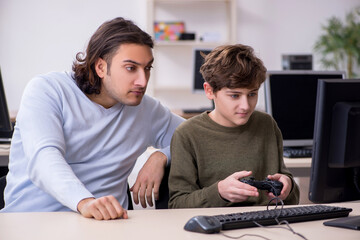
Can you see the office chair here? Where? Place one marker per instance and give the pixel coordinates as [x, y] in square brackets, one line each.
[162, 202]
[2, 188]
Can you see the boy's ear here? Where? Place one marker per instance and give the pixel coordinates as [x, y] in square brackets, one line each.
[101, 67]
[208, 91]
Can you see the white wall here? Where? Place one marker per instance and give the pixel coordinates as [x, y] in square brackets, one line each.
[39, 36]
[276, 27]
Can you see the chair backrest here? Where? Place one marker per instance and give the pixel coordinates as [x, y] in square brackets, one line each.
[162, 202]
[2, 188]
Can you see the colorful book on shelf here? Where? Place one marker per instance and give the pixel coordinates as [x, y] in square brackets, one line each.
[168, 31]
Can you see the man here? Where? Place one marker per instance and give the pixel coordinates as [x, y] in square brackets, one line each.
[78, 135]
[213, 151]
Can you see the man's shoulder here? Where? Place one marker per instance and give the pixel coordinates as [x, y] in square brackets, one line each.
[51, 79]
[56, 85]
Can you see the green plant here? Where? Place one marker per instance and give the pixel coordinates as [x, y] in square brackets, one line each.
[340, 44]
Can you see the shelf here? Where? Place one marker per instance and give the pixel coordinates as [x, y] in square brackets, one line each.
[187, 43]
[214, 21]
[187, 1]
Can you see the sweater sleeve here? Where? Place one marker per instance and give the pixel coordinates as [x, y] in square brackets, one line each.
[40, 122]
[183, 179]
[294, 195]
[163, 125]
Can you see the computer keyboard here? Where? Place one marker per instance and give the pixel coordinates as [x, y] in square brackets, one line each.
[196, 110]
[297, 152]
[5, 140]
[212, 224]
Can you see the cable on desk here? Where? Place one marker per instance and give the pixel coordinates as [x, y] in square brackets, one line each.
[287, 227]
[245, 235]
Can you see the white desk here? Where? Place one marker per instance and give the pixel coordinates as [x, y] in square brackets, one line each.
[292, 163]
[152, 224]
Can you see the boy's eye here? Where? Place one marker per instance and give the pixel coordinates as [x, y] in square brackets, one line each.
[234, 96]
[252, 94]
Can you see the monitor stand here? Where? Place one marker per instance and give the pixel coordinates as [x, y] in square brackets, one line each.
[199, 110]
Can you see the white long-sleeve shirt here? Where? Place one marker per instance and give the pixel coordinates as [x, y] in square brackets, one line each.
[66, 147]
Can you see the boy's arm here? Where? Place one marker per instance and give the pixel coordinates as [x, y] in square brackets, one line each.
[293, 196]
[184, 190]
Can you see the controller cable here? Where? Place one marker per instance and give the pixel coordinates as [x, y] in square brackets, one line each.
[287, 227]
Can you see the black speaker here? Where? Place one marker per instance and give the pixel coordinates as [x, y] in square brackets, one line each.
[297, 62]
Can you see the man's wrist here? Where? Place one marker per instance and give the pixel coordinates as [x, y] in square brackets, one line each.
[83, 202]
[162, 158]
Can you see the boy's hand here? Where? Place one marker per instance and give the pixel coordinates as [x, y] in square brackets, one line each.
[233, 190]
[287, 185]
[103, 208]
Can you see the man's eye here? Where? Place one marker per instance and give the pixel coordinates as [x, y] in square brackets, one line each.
[252, 94]
[235, 96]
[130, 68]
[148, 68]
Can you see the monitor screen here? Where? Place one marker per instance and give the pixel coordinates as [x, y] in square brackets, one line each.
[290, 99]
[198, 60]
[5, 123]
[335, 168]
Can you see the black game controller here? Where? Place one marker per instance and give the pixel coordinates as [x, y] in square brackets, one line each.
[272, 186]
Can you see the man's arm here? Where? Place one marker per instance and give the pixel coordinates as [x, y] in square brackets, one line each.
[41, 125]
[163, 124]
[149, 178]
[103, 208]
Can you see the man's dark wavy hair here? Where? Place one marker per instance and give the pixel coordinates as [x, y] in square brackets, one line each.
[103, 44]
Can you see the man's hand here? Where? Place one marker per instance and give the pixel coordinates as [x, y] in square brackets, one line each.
[103, 208]
[287, 185]
[233, 190]
[149, 178]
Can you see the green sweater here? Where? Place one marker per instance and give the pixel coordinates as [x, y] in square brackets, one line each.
[204, 152]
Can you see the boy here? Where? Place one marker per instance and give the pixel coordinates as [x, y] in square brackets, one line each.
[213, 151]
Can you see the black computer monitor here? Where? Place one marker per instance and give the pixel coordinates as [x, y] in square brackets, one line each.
[335, 168]
[6, 129]
[290, 97]
[198, 60]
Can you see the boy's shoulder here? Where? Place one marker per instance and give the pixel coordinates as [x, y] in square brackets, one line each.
[263, 118]
[193, 123]
[262, 115]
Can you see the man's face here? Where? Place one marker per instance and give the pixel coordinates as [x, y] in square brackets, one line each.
[128, 77]
[233, 107]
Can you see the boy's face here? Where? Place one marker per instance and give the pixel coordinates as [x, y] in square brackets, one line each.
[233, 107]
[128, 77]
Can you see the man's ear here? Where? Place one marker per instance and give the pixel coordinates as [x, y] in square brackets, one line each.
[208, 91]
[101, 67]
